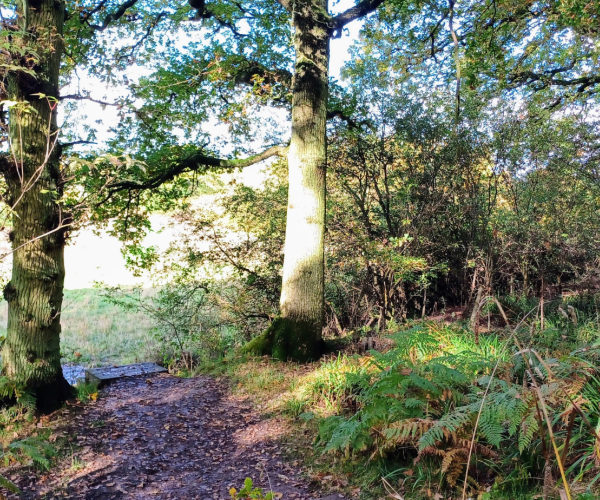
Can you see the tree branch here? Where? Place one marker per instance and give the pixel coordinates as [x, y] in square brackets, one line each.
[193, 163]
[223, 23]
[139, 43]
[75, 143]
[248, 69]
[118, 14]
[90, 13]
[77, 97]
[352, 14]
[352, 124]
[543, 80]
[285, 4]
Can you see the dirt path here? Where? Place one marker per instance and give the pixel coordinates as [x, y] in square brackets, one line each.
[171, 438]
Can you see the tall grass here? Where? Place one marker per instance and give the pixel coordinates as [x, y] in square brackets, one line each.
[95, 332]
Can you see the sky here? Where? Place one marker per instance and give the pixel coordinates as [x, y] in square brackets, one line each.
[91, 258]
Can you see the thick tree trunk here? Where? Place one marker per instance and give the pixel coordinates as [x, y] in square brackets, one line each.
[31, 352]
[298, 331]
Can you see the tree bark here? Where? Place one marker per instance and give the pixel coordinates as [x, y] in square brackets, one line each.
[298, 331]
[31, 352]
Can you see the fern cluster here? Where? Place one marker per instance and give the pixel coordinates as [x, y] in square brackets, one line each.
[16, 414]
[430, 397]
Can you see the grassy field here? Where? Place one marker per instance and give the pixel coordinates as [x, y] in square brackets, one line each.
[96, 333]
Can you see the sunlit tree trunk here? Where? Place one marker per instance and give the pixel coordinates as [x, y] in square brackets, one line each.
[31, 352]
[298, 331]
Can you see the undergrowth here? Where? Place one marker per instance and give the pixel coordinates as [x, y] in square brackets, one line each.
[402, 422]
[429, 396]
[22, 443]
[31, 442]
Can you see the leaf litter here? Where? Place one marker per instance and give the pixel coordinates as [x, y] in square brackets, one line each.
[168, 438]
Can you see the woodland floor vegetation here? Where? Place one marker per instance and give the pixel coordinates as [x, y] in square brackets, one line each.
[401, 417]
[409, 415]
[421, 232]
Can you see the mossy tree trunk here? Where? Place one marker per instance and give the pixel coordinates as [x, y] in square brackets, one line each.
[31, 352]
[297, 333]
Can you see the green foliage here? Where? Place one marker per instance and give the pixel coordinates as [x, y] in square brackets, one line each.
[16, 414]
[547, 53]
[427, 397]
[11, 390]
[87, 391]
[187, 324]
[250, 492]
[38, 450]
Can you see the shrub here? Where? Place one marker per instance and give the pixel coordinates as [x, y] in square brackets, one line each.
[186, 323]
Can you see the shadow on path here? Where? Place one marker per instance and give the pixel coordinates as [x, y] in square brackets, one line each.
[169, 438]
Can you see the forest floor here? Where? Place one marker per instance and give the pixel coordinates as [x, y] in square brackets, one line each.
[166, 437]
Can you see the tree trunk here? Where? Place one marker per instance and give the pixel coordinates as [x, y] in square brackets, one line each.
[31, 352]
[474, 321]
[299, 328]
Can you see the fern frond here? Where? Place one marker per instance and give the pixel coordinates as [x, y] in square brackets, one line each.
[448, 424]
[403, 432]
[9, 485]
[37, 450]
[450, 456]
[529, 427]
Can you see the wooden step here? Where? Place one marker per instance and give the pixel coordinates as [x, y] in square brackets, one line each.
[107, 374]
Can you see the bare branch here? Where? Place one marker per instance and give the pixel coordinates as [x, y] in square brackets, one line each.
[59, 228]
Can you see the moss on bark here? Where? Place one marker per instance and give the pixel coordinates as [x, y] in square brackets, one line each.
[287, 340]
[31, 352]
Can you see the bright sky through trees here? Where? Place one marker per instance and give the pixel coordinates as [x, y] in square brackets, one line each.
[104, 250]
[101, 118]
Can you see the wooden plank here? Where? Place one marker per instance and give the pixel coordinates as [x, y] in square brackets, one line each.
[108, 373]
